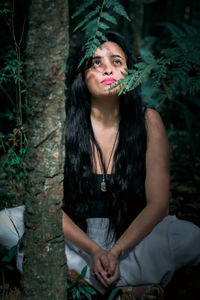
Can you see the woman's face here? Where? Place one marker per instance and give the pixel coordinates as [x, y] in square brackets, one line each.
[106, 67]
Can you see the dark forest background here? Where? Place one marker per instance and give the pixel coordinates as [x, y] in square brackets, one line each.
[164, 35]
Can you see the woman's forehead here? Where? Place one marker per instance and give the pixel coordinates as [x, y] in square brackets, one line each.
[110, 49]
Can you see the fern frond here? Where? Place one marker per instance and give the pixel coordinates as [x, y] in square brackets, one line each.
[82, 7]
[119, 9]
[108, 3]
[109, 18]
[89, 16]
[90, 27]
[103, 26]
[134, 78]
[93, 23]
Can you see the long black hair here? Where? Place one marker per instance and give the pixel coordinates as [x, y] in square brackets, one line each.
[129, 159]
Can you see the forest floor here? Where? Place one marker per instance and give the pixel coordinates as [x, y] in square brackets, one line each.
[185, 285]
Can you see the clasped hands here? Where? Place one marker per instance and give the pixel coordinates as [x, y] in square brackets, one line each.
[105, 267]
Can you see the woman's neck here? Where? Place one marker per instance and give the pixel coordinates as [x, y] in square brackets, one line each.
[105, 114]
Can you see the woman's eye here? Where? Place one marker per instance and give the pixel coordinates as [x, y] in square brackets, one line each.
[96, 63]
[117, 62]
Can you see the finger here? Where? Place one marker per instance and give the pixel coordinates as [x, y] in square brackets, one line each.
[114, 277]
[100, 268]
[105, 262]
[100, 278]
[112, 267]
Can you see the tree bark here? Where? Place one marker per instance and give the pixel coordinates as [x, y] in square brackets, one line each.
[137, 7]
[45, 271]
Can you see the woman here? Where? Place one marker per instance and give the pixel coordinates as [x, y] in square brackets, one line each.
[116, 185]
[117, 181]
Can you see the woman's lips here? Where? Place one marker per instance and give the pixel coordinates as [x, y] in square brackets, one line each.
[108, 80]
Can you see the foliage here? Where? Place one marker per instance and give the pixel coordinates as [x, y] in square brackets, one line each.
[98, 16]
[13, 145]
[177, 70]
[11, 255]
[78, 291]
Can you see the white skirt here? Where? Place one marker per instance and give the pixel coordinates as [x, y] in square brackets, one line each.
[172, 244]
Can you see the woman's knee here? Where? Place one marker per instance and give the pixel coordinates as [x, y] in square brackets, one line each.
[185, 244]
[11, 226]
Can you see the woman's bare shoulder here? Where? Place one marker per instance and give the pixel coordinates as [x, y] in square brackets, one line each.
[154, 123]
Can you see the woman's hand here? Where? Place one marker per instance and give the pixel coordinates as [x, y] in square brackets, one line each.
[113, 273]
[105, 267]
[100, 266]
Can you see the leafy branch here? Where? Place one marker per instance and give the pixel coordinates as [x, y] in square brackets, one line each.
[178, 68]
[96, 21]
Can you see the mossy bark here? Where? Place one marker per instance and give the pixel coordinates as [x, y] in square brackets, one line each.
[44, 270]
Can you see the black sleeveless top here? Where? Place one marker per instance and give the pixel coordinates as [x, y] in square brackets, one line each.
[100, 203]
[99, 206]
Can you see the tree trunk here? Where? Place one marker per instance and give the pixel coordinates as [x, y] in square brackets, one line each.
[137, 7]
[45, 271]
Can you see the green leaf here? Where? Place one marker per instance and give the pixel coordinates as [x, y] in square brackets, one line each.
[113, 293]
[78, 294]
[108, 17]
[82, 7]
[90, 290]
[70, 285]
[91, 27]
[10, 267]
[89, 16]
[84, 292]
[103, 26]
[119, 9]
[82, 275]
[11, 254]
[99, 33]
[108, 3]
[74, 293]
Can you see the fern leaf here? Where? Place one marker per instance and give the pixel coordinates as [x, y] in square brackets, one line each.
[119, 9]
[89, 16]
[103, 26]
[131, 80]
[91, 49]
[108, 3]
[93, 24]
[90, 27]
[82, 7]
[109, 18]
[99, 33]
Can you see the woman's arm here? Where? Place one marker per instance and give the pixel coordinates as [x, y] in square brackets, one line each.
[80, 239]
[77, 236]
[156, 185]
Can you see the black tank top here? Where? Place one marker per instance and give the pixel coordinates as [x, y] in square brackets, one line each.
[99, 205]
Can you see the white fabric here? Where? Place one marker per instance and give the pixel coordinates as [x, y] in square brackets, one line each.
[171, 245]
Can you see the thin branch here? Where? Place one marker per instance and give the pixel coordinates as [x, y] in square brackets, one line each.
[22, 34]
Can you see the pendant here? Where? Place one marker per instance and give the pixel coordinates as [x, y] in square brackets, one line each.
[103, 185]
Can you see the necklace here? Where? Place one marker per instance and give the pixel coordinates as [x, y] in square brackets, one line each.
[103, 182]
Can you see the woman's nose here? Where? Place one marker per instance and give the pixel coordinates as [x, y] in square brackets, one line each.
[108, 69]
